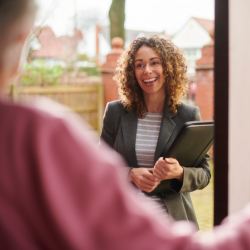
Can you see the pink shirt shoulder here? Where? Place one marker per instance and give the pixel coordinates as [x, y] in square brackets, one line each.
[57, 191]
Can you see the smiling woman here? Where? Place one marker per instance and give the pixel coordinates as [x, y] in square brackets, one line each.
[163, 54]
[151, 78]
[149, 74]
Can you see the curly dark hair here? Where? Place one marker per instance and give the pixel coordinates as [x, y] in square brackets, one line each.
[174, 69]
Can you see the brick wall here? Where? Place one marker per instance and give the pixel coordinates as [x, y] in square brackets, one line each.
[205, 82]
[107, 70]
[205, 93]
[110, 88]
[204, 98]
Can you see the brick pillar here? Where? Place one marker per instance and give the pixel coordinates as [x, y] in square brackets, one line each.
[107, 70]
[204, 98]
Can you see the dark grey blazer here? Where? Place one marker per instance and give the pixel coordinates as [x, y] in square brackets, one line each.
[119, 131]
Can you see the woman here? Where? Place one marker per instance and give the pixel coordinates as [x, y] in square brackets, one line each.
[151, 77]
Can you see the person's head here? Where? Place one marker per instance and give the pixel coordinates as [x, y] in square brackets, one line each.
[16, 21]
[154, 59]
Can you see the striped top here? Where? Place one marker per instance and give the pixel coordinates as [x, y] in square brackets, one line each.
[146, 140]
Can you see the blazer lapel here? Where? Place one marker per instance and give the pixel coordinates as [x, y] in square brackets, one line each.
[129, 127]
[167, 128]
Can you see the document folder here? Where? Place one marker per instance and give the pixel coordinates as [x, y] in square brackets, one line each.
[189, 147]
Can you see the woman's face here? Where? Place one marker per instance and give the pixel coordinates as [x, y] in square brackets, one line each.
[149, 71]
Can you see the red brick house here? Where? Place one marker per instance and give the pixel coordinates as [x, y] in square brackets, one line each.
[55, 50]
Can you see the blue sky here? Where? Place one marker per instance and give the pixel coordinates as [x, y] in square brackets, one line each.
[149, 15]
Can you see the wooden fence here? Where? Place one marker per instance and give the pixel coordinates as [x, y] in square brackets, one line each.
[87, 101]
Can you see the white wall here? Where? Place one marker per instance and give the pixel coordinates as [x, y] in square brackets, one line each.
[239, 104]
[192, 35]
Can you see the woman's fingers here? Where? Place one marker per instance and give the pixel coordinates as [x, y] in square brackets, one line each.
[168, 169]
[158, 173]
[148, 182]
[145, 186]
[148, 188]
[160, 170]
[151, 177]
[171, 160]
[144, 179]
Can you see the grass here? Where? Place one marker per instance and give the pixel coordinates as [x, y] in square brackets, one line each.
[203, 205]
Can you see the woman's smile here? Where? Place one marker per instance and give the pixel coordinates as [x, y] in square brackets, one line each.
[149, 72]
[149, 81]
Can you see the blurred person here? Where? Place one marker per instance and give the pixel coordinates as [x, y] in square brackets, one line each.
[141, 126]
[192, 90]
[58, 192]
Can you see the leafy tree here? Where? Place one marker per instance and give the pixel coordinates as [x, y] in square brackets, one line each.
[117, 19]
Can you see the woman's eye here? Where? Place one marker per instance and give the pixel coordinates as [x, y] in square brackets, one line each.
[139, 65]
[154, 63]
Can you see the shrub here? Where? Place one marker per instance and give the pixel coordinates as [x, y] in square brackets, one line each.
[39, 73]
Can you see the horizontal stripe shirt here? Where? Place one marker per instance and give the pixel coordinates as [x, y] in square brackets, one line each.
[147, 135]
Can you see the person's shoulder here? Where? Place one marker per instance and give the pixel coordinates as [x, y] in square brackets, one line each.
[116, 107]
[187, 111]
[21, 121]
[187, 108]
[115, 104]
[40, 115]
[20, 113]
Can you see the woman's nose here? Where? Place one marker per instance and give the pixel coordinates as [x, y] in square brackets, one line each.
[147, 69]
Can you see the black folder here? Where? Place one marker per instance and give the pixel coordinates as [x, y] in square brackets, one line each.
[189, 147]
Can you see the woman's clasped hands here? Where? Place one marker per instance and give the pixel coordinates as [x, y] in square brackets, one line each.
[144, 179]
[147, 179]
[168, 168]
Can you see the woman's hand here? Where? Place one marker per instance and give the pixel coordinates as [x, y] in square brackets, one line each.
[168, 169]
[144, 179]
